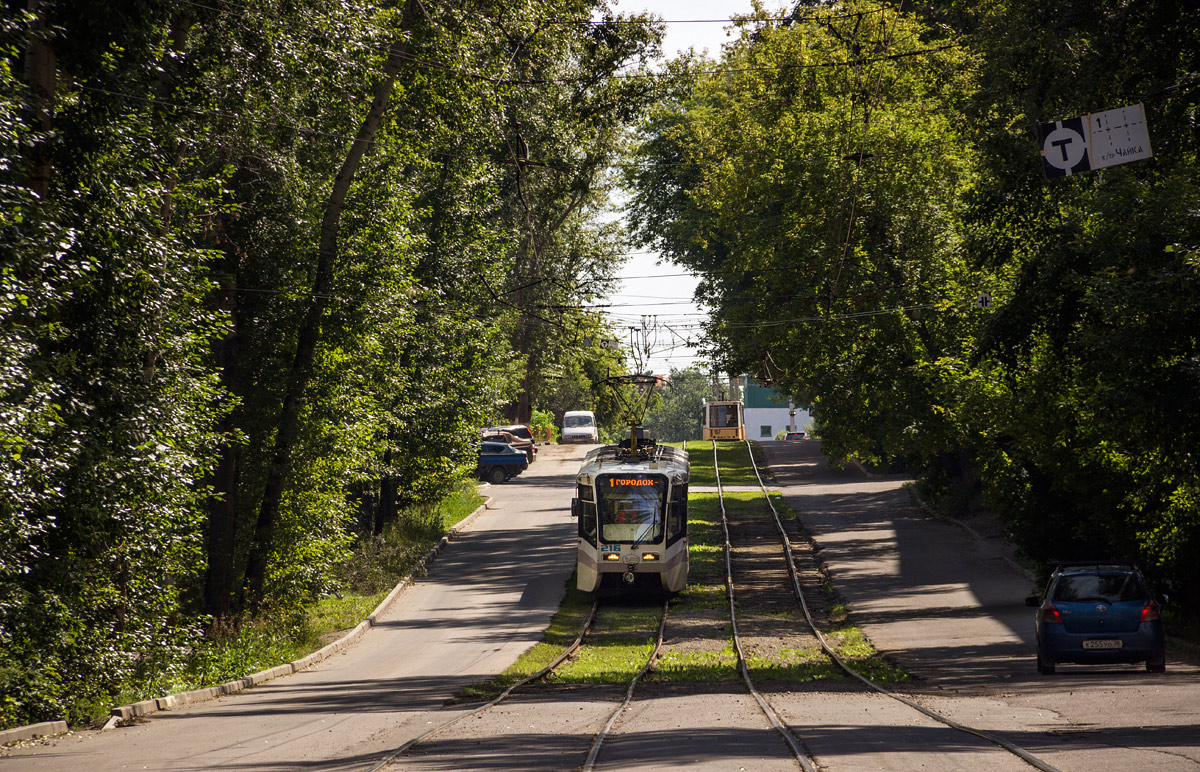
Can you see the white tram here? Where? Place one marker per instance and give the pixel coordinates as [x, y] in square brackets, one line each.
[724, 420]
[631, 503]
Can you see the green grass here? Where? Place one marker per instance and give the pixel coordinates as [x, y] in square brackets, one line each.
[733, 458]
[697, 667]
[374, 567]
[706, 552]
[857, 652]
[377, 563]
[788, 668]
[617, 647]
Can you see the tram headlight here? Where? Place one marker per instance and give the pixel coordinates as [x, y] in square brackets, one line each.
[649, 556]
[612, 556]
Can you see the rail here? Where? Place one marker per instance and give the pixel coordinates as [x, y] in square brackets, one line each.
[1015, 750]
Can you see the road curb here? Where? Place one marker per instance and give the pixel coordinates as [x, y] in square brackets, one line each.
[44, 729]
[854, 462]
[931, 512]
[145, 707]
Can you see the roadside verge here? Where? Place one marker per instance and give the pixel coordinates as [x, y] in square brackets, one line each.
[145, 707]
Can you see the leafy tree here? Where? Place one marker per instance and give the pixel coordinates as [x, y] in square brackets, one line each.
[563, 126]
[678, 412]
[249, 308]
[814, 180]
[108, 412]
[1095, 339]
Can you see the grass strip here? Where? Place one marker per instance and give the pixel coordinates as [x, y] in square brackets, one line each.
[734, 460]
[615, 650]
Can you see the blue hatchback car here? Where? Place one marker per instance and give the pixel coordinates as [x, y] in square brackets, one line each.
[1098, 613]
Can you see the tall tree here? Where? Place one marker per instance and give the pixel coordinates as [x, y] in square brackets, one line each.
[813, 179]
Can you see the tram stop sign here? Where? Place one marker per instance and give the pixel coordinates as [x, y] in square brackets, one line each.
[1094, 141]
[1064, 147]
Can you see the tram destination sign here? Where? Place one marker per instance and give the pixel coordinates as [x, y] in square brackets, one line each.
[1094, 141]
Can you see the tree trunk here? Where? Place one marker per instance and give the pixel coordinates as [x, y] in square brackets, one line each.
[181, 26]
[309, 334]
[385, 510]
[41, 72]
[221, 537]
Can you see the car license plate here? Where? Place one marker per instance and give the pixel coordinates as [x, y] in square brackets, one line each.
[1103, 644]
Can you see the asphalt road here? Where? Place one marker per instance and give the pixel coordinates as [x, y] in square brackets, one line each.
[488, 597]
[949, 608]
[944, 604]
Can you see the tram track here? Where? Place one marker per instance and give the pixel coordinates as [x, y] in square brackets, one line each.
[807, 763]
[593, 752]
[752, 580]
[547, 670]
[777, 722]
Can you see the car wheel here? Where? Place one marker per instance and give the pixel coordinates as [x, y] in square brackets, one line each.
[496, 475]
[1156, 667]
[1043, 667]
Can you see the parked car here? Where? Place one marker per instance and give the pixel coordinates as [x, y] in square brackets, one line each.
[1098, 613]
[499, 462]
[521, 431]
[796, 436]
[526, 446]
[580, 426]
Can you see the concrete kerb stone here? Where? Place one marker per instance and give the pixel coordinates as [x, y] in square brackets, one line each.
[127, 712]
[854, 462]
[931, 512]
[44, 729]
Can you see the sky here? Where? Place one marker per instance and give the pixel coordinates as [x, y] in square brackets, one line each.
[649, 287]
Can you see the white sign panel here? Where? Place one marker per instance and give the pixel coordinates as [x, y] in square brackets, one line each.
[1118, 136]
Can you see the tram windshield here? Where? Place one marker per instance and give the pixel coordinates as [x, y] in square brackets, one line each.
[723, 416]
[631, 507]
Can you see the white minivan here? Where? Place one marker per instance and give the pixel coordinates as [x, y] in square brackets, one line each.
[580, 426]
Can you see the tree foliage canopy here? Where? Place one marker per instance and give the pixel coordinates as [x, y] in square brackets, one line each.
[851, 181]
[268, 266]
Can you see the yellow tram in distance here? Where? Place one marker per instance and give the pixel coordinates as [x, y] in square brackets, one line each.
[724, 420]
[631, 503]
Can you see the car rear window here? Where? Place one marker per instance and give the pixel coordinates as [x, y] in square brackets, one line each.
[1110, 588]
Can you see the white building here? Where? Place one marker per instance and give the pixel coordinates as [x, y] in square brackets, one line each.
[768, 414]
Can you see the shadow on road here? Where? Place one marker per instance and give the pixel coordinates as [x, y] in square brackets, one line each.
[945, 605]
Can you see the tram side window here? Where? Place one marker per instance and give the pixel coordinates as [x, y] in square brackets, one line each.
[677, 519]
[587, 512]
[587, 521]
